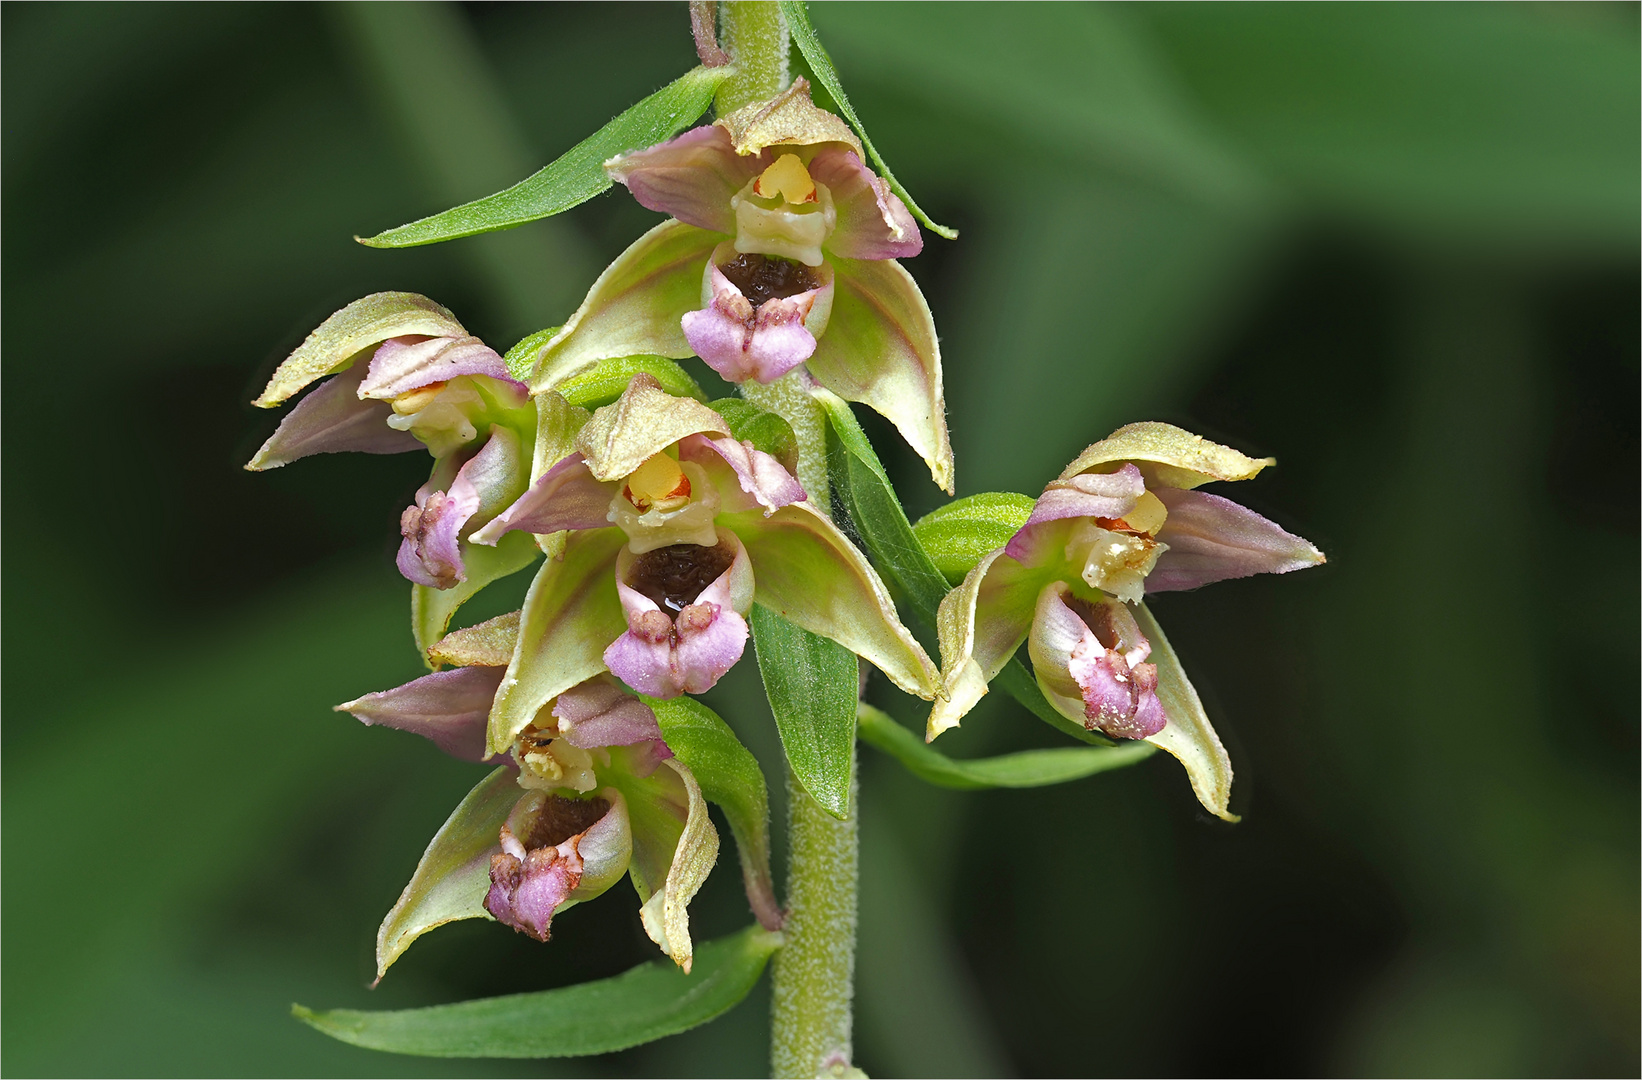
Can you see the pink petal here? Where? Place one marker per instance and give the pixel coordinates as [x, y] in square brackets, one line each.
[740, 343]
[565, 497]
[331, 420]
[759, 474]
[404, 364]
[1092, 653]
[691, 177]
[599, 713]
[1213, 539]
[873, 223]
[1095, 495]
[449, 708]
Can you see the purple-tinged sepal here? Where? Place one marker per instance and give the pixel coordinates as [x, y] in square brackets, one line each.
[449, 708]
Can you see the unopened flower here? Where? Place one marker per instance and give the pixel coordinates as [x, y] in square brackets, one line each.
[675, 530]
[781, 253]
[589, 791]
[1121, 521]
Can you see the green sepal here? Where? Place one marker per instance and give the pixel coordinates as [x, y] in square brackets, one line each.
[578, 175]
[803, 35]
[813, 685]
[640, 1005]
[731, 779]
[765, 430]
[609, 378]
[453, 875]
[1028, 768]
[862, 485]
[432, 609]
[959, 534]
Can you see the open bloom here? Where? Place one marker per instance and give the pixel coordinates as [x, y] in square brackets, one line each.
[1122, 520]
[404, 374]
[781, 253]
[589, 791]
[675, 530]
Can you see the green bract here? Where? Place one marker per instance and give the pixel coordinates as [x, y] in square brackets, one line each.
[576, 176]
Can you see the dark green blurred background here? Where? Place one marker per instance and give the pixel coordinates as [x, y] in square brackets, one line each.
[1395, 246]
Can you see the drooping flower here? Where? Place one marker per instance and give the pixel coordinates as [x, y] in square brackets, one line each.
[405, 374]
[1122, 520]
[675, 531]
[782, 253]
[588, 791]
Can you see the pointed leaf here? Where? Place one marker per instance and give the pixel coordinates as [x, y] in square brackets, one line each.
[432, 609]
[605, 383]
[1029, 768]
[1188, 735]
[640, 1005]
[451, 880]
[730, 778]
[803, 35]
[570, 615]
[813, 685]
[576, 176]
[961, 533]
[635, 307]
[880, 349]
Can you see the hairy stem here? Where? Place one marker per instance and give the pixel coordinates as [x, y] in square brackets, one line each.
[811, 1017]
[755, 35]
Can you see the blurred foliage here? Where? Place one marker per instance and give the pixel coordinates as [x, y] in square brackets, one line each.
[1394, 245]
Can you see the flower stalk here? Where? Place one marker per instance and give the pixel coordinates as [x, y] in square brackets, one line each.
[811, 1014]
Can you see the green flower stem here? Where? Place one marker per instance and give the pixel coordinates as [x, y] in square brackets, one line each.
[754, 33]
[789, 398]
[811, 1014]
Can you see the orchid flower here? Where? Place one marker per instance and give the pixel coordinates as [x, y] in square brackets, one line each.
[675, 529]
[405, 374]
[1122, 520]
[588, 791]
[781, 253]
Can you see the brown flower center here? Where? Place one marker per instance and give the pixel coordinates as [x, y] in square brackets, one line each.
[763, 277]
[559, 819]
[673, 576]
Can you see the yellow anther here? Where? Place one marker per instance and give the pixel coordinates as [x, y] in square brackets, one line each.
[787, 178]
[658, 482]
[416, 400]
[1148, 515]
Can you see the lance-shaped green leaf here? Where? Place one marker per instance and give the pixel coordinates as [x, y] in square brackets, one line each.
[730, 777]
[640, 1005]
[338, 341]
[869, 498]
[521, 359]
[880, 349]
[634, 307]
[570, 614]
[803, 35]
[961, 533]
[1188, 735]
[1028, 768]
[809, 573]
[576, 176]
[765, 430]
[605, 383]
[813, 685]
[451, 880]
[432, 609]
